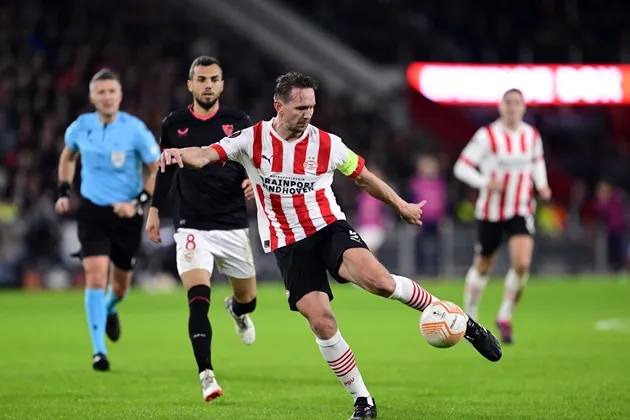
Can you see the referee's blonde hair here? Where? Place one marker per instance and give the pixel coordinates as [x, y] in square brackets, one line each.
[104, 74]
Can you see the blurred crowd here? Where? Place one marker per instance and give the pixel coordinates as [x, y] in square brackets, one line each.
[49, 51]
[541, 31]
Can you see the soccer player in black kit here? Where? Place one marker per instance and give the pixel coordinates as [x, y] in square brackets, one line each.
[210, 215]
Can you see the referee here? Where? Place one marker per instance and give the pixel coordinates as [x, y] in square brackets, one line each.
[117, 151]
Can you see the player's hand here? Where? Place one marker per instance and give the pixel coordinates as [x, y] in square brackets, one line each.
[495, 185]
[411, 213]
[545, 193]
[153, 225]
[248, 189]
[170, 157]
[125, 210]
[62, 205]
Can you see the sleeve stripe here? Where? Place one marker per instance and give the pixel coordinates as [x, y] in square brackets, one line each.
[359, 168]
[467, 161]
[220, 151]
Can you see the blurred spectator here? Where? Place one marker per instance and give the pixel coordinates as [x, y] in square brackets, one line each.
[612, 209]
[428, 184]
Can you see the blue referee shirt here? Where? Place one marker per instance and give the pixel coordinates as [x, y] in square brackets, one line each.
[111, 156]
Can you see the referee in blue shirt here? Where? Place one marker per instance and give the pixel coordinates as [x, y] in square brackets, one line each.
[118, 168]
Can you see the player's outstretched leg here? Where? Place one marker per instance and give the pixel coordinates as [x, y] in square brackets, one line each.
[362, 268]
[240, 305]
[117, 291]
[315, 306]
[96, 281]
[521, 247]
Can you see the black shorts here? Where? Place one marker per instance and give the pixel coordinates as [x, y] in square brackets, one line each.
[304, 264]
[490, 235]
[101, 232]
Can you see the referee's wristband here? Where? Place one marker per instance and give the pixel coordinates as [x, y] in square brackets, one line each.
[64, 188]
[143, 198]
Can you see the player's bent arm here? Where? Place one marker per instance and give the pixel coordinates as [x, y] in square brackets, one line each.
[473, 154]
[163, 181]
[466, 172]
[198, 157]
[378, 189]
[539, 172]
[539, 175]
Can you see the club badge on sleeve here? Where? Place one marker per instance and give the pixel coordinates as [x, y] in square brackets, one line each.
[228, 129]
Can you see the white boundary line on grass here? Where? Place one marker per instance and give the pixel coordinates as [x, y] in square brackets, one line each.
[615, 324]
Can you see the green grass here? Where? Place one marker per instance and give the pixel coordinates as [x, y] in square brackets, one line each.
[560, 368]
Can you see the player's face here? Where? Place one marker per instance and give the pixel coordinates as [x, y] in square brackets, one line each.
[512, 107]
[106, 96]
[206, 85]
[297, 113]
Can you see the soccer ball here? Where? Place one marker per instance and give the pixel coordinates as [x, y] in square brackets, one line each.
[443, 324]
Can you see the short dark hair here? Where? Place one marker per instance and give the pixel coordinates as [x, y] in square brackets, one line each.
[286, 82]
[513, 90]
[104, 74]
[204, 61]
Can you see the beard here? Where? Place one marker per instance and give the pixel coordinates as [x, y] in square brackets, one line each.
[206, 104]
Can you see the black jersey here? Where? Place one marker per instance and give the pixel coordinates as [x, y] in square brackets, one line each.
[210, 198]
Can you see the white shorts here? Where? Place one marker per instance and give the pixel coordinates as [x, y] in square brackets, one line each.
[373, 236]
[197, 249]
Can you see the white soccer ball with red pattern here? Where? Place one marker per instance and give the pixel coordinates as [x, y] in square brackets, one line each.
[443, 324]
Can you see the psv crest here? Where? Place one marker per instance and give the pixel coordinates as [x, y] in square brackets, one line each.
[310, 164]
[228, 129]
[118, 158]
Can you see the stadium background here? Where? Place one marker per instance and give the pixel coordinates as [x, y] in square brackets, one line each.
[48, 51]
[572, 330]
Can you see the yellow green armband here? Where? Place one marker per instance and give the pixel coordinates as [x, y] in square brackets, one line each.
[353, 166]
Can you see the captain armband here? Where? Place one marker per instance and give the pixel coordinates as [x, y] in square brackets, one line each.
[353, 166]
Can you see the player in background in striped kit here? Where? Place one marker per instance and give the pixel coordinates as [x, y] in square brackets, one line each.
[502, 160]
[291, 165]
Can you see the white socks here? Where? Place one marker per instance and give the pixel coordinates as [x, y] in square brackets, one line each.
[411, 294]
[513, 287]
[341, 360]
[475, 284]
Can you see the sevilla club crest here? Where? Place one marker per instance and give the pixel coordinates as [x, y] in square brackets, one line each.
[228, 129]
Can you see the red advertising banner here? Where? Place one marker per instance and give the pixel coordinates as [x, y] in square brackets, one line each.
[552, 84]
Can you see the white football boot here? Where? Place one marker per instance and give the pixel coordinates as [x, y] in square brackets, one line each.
[209, 386]
[244, 325]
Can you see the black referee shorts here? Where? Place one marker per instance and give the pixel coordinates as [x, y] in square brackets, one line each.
[101, 232]
[490, 235]
[304, 264]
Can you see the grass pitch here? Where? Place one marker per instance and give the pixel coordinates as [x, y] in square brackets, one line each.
[571, 359]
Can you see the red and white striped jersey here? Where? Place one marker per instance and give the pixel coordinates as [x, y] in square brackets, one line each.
[292, 179]
[515, 158]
